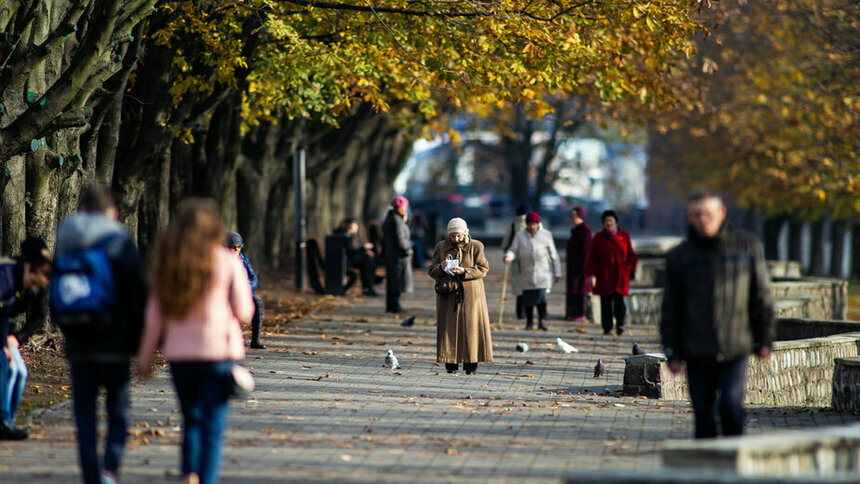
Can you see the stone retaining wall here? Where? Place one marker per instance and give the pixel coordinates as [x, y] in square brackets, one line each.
[846, 385]
[809, 298]
[799, 373]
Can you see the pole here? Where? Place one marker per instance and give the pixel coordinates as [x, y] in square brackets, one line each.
[301, 223]
[504, 291]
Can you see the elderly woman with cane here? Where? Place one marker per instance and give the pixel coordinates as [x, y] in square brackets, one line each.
[462, 319]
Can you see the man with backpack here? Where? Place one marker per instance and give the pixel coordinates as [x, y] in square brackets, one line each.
[21, 281]
[98, 296]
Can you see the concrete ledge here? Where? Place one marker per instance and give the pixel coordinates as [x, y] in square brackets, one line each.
[799, 372]
[684, 476]
[846, 385]
[821, 452]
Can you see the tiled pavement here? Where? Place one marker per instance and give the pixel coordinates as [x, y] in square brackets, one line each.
[326, 409]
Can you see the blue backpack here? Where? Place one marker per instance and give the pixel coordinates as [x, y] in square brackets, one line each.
[82, 287]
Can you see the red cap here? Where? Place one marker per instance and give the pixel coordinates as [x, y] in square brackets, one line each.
[532, 218]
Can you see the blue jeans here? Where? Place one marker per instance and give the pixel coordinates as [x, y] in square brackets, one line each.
[203, 388]
[13, 379]
[717, 386]
[87, 378]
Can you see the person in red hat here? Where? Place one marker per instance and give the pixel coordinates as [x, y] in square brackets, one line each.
[533, 249]
[609, 265]
[397, 248]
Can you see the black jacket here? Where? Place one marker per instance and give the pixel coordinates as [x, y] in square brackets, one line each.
[14, 301]
[717, 303]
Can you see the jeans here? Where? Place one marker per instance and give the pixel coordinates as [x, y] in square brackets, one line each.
[13, 379]
[717, 386]
[612, 305]
[87, 378]
[203, 389]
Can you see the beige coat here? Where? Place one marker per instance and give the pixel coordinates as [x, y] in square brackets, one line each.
[462, 330]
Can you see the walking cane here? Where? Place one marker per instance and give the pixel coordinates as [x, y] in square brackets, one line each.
[504, 291]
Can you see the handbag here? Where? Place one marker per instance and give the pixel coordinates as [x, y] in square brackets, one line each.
[242, 381]
[446, 286]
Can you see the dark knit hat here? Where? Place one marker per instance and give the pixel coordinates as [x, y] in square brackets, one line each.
[523, 209]
[233, 238]
[532, 218]
[580, 212]
[35, 251]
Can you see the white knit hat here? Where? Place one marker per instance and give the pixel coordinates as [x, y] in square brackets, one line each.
[458, 225]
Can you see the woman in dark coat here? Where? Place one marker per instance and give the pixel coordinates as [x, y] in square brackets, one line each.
[577, 307]
[609, 265]
[397, 249]
[462, 323]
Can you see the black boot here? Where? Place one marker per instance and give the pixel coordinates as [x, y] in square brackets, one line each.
[541, 325]
[11, 432]
[470, 368]
[452, 367]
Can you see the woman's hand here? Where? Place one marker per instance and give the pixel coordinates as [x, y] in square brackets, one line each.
[507, 260]
[458, 270]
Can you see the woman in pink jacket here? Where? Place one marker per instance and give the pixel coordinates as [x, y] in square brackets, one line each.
[199, 302]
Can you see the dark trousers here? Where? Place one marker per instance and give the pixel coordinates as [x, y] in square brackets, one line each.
[203, 388]
[366, 268]
[717, 387]
[529, 310]
[87, 378]
[578, 306]
[257, 320]
[392, 301]
[612, 306]
[519, 307]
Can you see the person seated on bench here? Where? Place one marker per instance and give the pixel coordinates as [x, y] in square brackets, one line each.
[359, 255]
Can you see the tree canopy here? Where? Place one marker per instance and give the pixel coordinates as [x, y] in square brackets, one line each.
[782, 126]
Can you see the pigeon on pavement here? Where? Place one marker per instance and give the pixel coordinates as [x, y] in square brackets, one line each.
[562, 346]
[637, 350]
[391, 360]
[599, 368]
[522, 347]
[408, 321]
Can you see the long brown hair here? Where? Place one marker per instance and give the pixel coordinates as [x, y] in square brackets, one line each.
[182, 263]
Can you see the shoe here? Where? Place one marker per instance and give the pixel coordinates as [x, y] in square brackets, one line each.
[530, 326]
[107, 478]
[542, 326]
[257, 345]
[379, 279]
[619, 331]
[369, 293]
[607, 333]
[470, 368]
[9, 431]
[451, 367]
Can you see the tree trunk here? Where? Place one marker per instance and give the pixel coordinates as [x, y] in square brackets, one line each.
[772, 229]
[855, 252]
[838, 232]
[795, 240]
[820, 230]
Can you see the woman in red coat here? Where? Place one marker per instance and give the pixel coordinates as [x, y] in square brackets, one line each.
[609, 265]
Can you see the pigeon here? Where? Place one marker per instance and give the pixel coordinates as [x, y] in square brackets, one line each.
[637, 350]
[408, 322]
[562, 346]
[522, 347]
[391, 360]
[599, 368]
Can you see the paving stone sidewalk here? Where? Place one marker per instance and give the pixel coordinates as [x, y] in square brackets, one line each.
[327, 410]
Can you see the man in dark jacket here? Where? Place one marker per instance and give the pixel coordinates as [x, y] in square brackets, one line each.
[717, 309]
[397, 248]
[359, 255]
[99, 353]
[21, 283]
[577, 307]
[236, 244]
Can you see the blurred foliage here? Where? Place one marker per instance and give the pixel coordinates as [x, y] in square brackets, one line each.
[781, 129]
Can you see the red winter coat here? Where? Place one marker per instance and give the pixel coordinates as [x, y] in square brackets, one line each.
[612, 260]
